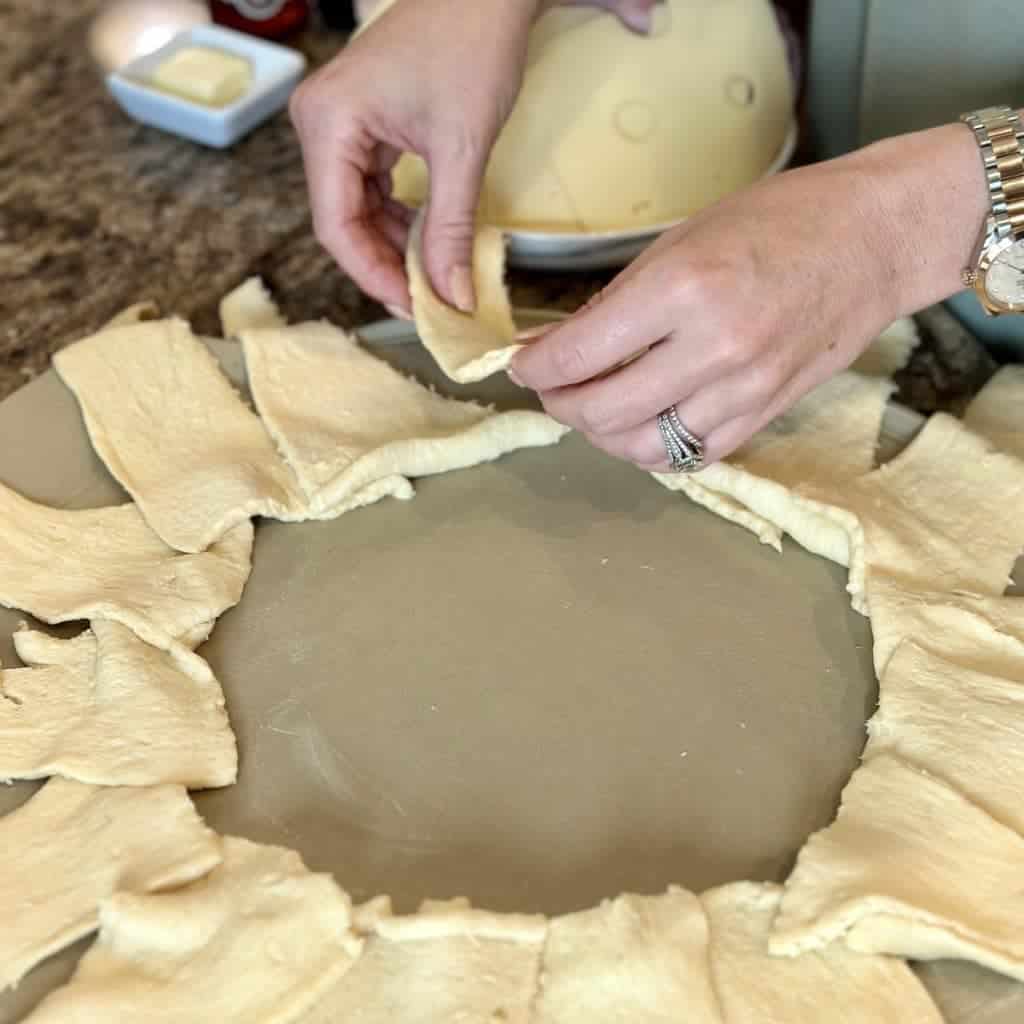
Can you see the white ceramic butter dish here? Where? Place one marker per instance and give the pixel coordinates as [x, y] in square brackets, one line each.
[276, 70]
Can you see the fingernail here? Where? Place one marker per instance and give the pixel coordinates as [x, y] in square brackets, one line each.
[514, 377]
[398, 313]
[460, 283]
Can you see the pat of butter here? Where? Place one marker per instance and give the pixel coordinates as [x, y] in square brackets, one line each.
[204, 75]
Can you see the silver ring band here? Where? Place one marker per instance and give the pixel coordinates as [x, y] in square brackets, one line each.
[684, 449]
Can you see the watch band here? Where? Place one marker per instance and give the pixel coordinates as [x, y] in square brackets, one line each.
[1000, 137]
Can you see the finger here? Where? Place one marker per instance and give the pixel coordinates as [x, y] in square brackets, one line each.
[728, 435]
[389, 217]
[644, 446]
[394, 230]
[400, 211]
[722, 416]
[344, 223]
[534, 333]
[641, 445]
[627, 319]
[670, 373]
[456, 173]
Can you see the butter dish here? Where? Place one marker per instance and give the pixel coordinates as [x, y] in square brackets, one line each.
[276, 70]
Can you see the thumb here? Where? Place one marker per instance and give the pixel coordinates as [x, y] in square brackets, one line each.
[456, 175]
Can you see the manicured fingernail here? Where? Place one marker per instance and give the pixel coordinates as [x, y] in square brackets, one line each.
[460, 284]
[398, 313]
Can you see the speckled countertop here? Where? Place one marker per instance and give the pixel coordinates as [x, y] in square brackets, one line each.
[98, 212]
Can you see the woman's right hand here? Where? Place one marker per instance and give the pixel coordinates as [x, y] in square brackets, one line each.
[433, 77]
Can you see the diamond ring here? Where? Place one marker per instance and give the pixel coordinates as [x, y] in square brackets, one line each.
[685, 450]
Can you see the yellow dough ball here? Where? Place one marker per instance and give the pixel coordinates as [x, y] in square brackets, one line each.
[618, 131]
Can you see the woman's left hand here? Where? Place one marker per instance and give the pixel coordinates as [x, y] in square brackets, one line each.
[744, 308]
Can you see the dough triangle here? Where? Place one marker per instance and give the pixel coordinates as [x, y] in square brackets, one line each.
[466, 347]
[632, 958]
[108, 709]
[997, 412]
[247, 307]
[360, 427]
[911, 519]
[958, 724]
[446, 963]
[943, 515]
[174, 433]
[113, 567]
[259, 939]
[911, 868]
[77, 845]
[978, 631]
[826, 440]
[832, 985]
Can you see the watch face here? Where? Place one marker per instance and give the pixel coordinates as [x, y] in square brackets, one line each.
[1004, 281]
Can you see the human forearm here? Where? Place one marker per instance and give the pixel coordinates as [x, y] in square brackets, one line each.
[932, 199]
[756, 300]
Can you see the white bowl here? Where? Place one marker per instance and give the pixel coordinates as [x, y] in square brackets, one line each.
[276, 70]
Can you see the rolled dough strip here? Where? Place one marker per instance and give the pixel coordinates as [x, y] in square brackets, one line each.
[175, 434]
[112, 567]
[444, 964]
[943, 515]
[826, 440]
[768, 509]
[997, 413]
[972, 630]
[724, 506]
[108, 709]
[910, 868]
[959, 724]
[346, 421]
[248, 306]
[634, 958]
[828, 437]
[76, 845]
[466, 347]
[911, 519]
[259, 940]
[833, 985]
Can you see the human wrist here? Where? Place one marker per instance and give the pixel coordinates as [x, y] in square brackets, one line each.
[932, 199]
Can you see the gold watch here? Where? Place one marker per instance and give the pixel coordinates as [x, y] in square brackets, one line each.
[997, 270]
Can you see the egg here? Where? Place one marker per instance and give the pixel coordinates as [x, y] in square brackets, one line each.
[617, 131]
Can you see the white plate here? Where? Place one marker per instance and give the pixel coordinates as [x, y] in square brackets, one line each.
[276, 71]
[599, 250]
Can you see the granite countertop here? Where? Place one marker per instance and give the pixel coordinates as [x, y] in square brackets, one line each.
[98, 212]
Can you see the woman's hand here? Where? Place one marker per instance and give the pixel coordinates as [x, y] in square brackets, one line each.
[434, 77]
[747, 306]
